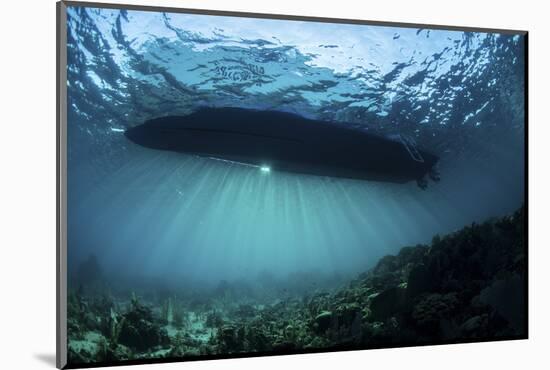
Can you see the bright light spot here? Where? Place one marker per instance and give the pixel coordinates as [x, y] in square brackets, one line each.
[265, 169]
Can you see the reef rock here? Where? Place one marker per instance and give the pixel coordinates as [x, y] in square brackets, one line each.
[388, 303]
[323, 321]
[139, 331]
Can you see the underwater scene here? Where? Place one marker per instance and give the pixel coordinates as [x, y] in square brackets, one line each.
[244, 186]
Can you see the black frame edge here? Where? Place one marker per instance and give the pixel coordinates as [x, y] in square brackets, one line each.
[61, 236]
[228, 13]
[526, 177]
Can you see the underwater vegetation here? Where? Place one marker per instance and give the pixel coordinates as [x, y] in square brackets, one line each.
[467, 285]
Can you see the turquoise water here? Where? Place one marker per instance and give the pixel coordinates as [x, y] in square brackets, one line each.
[180, 218]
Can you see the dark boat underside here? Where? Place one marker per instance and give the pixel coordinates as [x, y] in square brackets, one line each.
[287, 142]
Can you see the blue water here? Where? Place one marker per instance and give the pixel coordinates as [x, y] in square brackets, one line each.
[181, 218]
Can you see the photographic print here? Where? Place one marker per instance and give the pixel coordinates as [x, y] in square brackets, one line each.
[241, 185]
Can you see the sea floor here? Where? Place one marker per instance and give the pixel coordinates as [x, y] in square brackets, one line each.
[465, 286]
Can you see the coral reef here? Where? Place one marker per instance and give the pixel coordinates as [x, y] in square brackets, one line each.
[469, 285]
